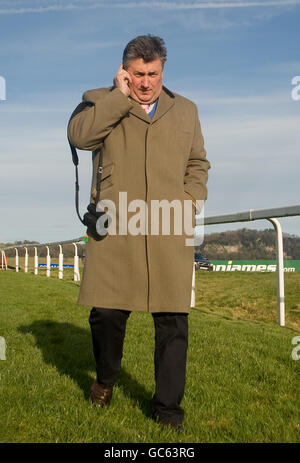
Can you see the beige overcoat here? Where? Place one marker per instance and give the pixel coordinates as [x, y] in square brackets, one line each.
[159, 159]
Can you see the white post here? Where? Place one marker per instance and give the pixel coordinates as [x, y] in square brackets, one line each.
[36, 261]
[5, 260]
[76, 265]
[193, 298]
[17, 260]
[2, 259]
[280, 272]
[60, 263]
[26, 261]
[48, 262]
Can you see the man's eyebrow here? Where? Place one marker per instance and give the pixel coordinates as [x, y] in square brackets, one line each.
[142, 73]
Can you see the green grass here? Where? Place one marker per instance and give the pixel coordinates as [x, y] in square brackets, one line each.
[248, 296]
[242, 383]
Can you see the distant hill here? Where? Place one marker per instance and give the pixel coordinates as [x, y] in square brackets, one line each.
[248, 244]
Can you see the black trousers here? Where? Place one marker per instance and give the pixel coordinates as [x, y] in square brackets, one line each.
[108, 328]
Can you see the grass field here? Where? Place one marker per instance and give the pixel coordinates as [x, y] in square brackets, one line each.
[242, 383]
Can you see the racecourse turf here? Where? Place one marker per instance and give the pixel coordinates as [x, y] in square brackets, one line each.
[242, 381]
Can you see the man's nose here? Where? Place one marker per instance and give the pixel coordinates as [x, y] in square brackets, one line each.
[145, 81]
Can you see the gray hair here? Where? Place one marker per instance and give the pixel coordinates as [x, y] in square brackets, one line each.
[148, 47]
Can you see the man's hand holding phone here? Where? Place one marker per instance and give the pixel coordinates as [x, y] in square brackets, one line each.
[122, 80]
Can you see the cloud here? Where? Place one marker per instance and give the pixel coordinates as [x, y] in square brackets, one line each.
[81, 5]
[243, 100]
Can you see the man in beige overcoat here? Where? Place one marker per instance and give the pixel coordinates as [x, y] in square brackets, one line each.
[153, 154]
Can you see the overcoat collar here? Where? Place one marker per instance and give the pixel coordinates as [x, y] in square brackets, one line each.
[165, 102]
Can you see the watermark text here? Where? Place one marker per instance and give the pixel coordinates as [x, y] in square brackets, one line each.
[296, 350]
[2, 88]
[296, 90]
[155, 217]
[2, 348]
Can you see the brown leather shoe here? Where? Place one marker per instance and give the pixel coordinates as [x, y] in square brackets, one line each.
[100, 395]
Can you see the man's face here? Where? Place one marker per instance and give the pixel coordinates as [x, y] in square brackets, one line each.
[146, 80]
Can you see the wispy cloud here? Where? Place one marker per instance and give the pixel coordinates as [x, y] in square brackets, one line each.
[84, 5]
[243, 100]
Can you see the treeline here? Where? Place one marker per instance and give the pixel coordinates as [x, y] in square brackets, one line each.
[248, 244]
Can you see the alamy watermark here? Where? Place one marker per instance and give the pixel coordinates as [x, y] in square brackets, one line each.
[2, 88]
[2, 348]
[156, 217]
[296, 350]
[296, 90]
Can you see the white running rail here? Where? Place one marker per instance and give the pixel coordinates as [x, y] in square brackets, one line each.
[60, 244]
[260, 214]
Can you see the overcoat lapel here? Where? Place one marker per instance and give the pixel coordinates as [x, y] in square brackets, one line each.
[139, 112]
[165, 102]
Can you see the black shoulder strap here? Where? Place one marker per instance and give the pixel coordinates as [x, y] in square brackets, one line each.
[99, 173]
[74, 154]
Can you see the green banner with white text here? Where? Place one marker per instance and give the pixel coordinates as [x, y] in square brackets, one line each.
[254, 265]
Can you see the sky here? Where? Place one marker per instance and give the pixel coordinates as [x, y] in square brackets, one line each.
[234, 59]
